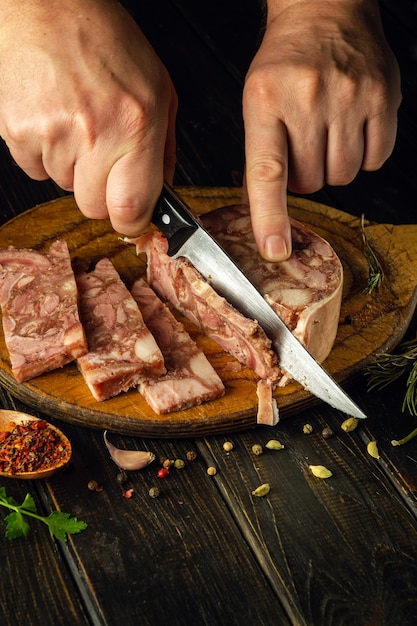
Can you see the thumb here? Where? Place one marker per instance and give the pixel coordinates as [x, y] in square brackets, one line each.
[133, 188]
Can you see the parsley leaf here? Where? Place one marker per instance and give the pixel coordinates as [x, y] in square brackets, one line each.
[60, 524]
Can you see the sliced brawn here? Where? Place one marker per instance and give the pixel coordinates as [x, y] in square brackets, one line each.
[190, 378]
[121, 350]
[39, 302]
[305, 290]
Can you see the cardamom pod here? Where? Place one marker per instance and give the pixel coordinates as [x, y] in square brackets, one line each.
[274, 444]
[372, 449]
[350, 424]
[262, 490]
[320, 471]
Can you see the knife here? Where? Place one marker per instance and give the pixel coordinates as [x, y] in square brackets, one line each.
[187, 237]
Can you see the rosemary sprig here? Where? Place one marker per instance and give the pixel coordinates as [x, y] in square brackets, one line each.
[386, 368]
[375, 273]
[406, 439]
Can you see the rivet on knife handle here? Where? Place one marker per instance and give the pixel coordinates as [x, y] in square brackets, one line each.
[174, 219]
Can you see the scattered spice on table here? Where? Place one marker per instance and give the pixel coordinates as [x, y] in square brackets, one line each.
[30, 447]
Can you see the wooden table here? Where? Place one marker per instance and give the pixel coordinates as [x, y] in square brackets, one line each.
[313, 552]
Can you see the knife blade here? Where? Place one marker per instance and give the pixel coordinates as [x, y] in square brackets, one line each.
[187, 237]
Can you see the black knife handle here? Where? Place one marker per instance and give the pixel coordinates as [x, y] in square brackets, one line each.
[174, 218]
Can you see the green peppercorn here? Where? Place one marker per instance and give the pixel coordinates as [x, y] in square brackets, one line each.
[154, 492]
[179, 463]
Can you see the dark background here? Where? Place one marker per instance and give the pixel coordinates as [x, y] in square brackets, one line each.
[207, 47]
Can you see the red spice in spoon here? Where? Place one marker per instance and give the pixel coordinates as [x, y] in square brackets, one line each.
[30, 447]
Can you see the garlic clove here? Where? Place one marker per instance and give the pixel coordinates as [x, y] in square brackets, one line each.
[128, 459]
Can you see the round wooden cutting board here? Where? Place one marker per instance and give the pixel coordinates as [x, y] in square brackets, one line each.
[368, 323]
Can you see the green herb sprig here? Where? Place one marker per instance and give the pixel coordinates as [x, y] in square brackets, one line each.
[60, 524]
[386, 368]
[375, 272]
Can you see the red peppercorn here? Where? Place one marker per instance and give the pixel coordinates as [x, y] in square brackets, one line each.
[163, 472]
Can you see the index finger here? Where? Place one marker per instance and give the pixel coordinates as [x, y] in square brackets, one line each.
[266, 148]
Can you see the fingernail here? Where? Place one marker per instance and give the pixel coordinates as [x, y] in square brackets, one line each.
[275, 248]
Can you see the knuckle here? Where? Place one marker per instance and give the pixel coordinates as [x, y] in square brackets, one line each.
[260, 87]
[268, 170]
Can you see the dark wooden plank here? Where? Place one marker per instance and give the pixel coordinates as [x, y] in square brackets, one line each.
[178, 557]
[341, 550]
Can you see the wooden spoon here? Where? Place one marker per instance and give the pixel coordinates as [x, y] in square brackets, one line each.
[17, 417]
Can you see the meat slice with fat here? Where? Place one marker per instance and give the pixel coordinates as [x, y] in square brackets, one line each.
[190, 379]
[177, 281]
[305, 290]
[121, 350]
[39, 302]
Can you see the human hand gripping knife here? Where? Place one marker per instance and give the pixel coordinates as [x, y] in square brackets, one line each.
[188, 238]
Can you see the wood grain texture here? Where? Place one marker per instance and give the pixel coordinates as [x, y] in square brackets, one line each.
[338, 551]
[368, 324]
[176, 559]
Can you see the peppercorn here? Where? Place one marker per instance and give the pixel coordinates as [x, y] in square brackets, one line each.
[327, 432]
[92, 485]
[167, 463]
[191, 455]
[163, 472]
[154, 492]
[228, 446]
[179, 464]
[257, 449]
[307, 429]
[121, 478]
[211, 471]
